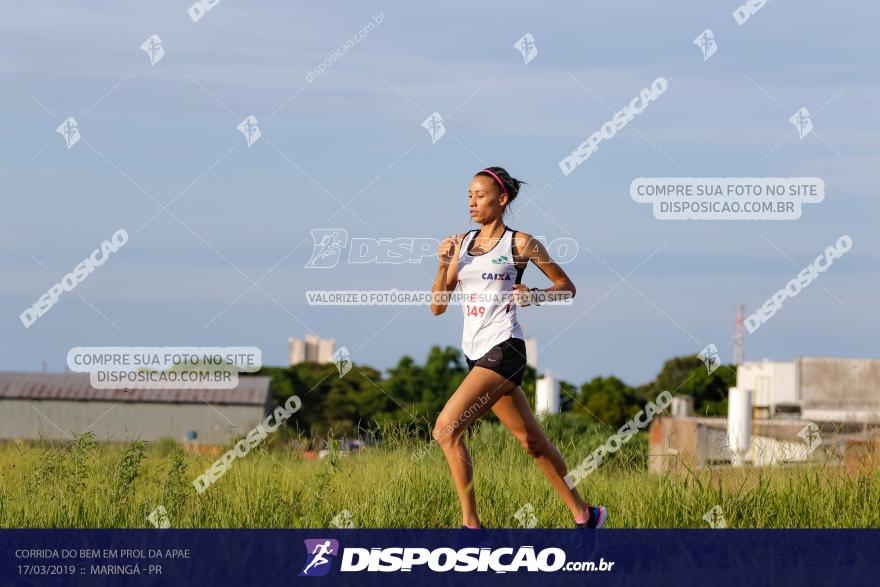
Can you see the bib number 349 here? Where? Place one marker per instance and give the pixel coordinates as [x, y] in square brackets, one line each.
[475, 311]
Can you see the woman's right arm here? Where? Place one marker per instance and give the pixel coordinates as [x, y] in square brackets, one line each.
[447, 273]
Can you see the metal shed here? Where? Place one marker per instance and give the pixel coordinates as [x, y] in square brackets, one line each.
[60, 406]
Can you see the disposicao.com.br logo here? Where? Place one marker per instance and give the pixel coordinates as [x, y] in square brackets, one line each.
[317, 552]
[440, 560]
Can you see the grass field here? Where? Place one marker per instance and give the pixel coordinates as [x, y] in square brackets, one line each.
[405, 482]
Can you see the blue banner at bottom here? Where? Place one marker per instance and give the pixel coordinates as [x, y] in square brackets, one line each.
[439, 557]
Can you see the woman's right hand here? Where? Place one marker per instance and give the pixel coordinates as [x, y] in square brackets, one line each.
[446, 249]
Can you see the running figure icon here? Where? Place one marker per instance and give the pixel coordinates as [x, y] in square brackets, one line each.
[321, 549]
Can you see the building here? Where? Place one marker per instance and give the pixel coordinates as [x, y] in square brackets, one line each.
[60, 406]
[814, 388]
[532, 352]
[546, 395]
[772, 384]
[689, 443]
[793, 409]
[311, 348]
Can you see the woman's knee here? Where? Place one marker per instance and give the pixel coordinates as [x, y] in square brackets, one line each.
[445, 432]
[535, 444]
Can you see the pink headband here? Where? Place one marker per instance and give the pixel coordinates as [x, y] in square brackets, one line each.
[498, 179]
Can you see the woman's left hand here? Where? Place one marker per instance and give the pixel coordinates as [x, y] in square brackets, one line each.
[522, 295]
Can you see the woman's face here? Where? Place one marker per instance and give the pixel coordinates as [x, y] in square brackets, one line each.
[485, 199]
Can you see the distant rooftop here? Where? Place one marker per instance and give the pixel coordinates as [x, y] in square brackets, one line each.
[251, 391]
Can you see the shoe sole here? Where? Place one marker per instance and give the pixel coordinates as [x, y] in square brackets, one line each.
[603, 515]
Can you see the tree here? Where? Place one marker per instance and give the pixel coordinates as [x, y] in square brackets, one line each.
[607, 399]
[414, 394]
[688, 375]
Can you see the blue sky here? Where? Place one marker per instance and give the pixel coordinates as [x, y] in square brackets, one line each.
[169, 131]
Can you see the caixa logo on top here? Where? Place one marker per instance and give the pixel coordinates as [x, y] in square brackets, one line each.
[329, 246]
[496, 276]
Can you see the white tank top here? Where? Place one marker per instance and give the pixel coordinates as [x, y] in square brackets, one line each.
[491, 320]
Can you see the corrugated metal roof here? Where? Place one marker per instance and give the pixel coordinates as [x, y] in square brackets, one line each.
[76, 387]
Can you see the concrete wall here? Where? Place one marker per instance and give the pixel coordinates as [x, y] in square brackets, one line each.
[770, 451]
[125, 421]
[682, 444]
[838, 383]
[861, 414]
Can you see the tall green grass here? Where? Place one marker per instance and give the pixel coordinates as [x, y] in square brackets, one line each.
[404, 482]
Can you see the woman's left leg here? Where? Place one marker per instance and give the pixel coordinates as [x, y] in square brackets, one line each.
[515, 413]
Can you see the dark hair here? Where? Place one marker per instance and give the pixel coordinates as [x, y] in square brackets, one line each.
[511, 185]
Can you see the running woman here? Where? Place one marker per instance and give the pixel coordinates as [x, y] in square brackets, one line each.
[489, 262]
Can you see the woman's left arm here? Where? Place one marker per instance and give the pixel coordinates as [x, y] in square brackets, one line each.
[535, 251]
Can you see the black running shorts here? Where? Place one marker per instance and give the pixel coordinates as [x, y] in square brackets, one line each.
[507, 358]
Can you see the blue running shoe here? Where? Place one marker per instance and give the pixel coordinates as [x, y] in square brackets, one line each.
[598, 515]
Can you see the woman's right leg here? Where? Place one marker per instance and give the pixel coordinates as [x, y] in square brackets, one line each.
[474, 397]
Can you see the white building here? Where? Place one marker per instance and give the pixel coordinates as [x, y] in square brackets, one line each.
[546, 395]
[829, 389]
[313, 348]
[772, 384]
[811, 408]
[532, 352]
